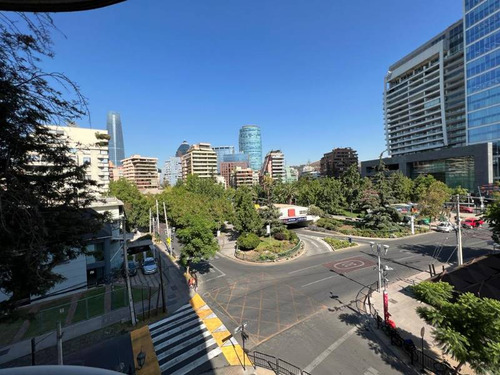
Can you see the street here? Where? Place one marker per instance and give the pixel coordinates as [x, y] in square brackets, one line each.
[289, 306]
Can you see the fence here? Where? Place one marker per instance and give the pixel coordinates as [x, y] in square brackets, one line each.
[83, 306]
[279, 366]
[264, 257]
[417, 356]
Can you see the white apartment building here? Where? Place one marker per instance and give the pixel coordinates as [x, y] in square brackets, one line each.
[88, 146]
[141, 171]
[274, 165]
[201, 160]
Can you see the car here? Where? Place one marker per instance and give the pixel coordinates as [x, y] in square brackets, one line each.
[149, 266]
[470, 223]
[445, 227]
[424, 221]
[132, 268]
[467, 209]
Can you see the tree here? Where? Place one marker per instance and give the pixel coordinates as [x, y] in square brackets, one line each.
[401, 186]
[43, 215]
[493, 218]
[247, 219]
[352, 185]
[432, 202]
[468, 328]
[382, 185]
[135, 203]
[270, 215]
[421, 186]
[198, 240]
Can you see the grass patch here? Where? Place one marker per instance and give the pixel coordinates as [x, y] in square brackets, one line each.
[47, 317]
[119, 296]
[337, 244]
[272, 245]
[93, 300]
[9, 330]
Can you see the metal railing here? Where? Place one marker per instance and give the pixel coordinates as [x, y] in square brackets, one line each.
[279, 366]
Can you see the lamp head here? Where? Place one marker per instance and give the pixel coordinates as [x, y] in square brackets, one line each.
[141, 359]
[386, 249]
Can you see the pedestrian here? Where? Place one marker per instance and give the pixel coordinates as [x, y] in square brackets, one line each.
[350, 240]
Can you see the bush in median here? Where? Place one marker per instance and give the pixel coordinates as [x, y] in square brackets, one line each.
[248, 241]
[337, 244]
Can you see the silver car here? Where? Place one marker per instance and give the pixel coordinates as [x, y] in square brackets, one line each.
[149, 266]
[445, 227]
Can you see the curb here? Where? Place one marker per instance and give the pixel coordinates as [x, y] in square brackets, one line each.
[260, 264]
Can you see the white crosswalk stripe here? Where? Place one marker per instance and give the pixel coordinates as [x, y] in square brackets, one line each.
[183, 344]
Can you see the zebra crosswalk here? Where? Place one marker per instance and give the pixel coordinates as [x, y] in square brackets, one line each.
[183, 344]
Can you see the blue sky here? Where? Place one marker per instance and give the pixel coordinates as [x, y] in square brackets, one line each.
[309, 72]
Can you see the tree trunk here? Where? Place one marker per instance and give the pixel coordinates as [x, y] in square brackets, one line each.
[457, 369]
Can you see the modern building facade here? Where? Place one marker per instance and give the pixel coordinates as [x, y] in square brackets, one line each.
[424, 105]
[90, 147]
[116, 145]
[182, 149]
[115, 172]
[250, 143]
[201, 160]
[141, 171]
[291, 174]
[172, 171]
[221, 151]
[482, 73]
[338, 161]
[274, 166]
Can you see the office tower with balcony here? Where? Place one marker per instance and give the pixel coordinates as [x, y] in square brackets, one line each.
[338, 161]
[250, 143]
[116, 146]
[200, 160]
[142, 172]
[274, 166]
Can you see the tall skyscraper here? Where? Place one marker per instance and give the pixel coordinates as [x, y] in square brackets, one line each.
[182, 149]
[250, 143]
[116, 146]
[482, 73]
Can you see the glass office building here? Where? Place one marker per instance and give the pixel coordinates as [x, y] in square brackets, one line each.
[250, 143]
[482, 59]
[116, 147]
[221, 151]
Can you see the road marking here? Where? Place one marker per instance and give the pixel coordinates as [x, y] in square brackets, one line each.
[400, 259]
[371, 371]
[222, 274]
[303, 269]
[329, 350]
[317, 281]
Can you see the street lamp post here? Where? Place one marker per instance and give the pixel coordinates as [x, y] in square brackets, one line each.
[380, 248]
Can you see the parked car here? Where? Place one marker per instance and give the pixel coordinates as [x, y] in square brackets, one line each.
[445, 227]
[149, 266]
[132, 268]
[470, 223]
[424, 221]
[467, 209]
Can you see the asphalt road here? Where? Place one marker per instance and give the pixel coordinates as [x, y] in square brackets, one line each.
[286, 305]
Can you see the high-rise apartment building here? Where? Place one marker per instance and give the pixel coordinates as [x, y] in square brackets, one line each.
[250, 143]
[116, 145]
[88, 146]
[172, 171]
[141, 171]
[274, 166]
[244, 177]
[201, 160]
[221, 151]
[425, 107]
[228, 167]
[338, 161]
[424, 92]
[482, 73]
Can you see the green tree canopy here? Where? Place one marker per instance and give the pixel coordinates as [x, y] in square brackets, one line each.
[493, 218]
[432, 202]
[468, 328]
[42, 206]
[246, 219]
[198, 240]
[401, 186]
[135, 203]
[352, 186]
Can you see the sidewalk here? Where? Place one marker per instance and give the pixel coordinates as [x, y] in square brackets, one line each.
[402, 307]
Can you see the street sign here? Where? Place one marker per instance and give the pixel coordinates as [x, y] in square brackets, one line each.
[422, 332]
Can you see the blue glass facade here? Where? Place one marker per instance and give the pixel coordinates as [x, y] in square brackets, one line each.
[221, 151]
[482, 59]
[234, 158]
[116, 147]
[250, 143]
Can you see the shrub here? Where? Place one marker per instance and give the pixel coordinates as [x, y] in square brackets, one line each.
[266, 256]
[282, 235]
[338, 244]
[330, 224]
[248, 241]
[294, 238]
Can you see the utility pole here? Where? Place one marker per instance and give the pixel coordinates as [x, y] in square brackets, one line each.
[59, 344]
[150, 220]
[459, 234]
[379, 266]
[157, 219]
[167, 229]
[33, 352]
[127, 276]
